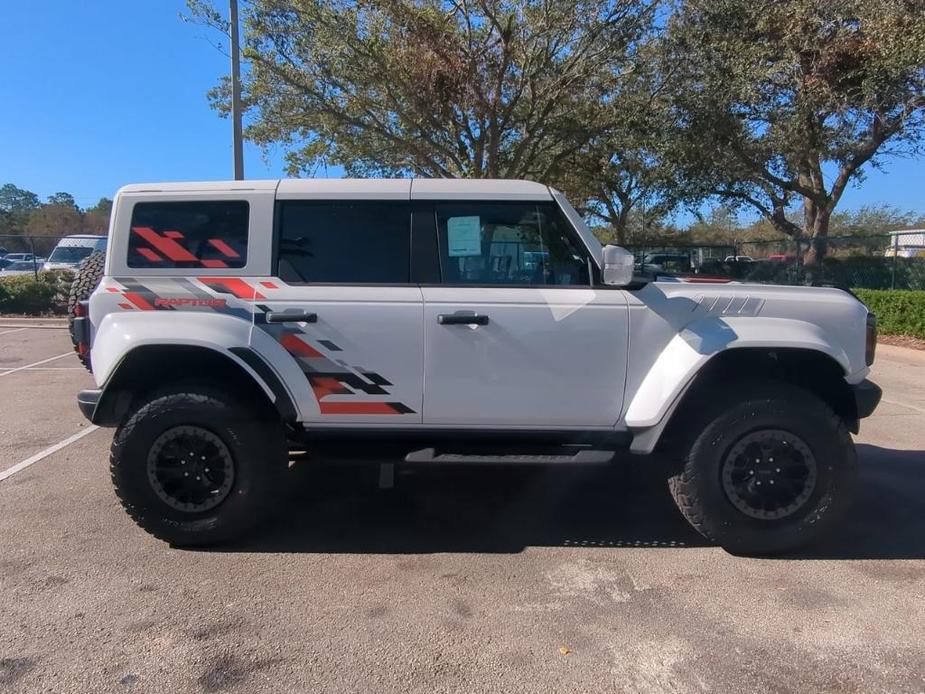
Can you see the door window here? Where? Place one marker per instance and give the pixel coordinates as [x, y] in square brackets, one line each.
[501, 243]
[344, 242]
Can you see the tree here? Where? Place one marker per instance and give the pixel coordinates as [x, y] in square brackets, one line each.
[54, 220]
[16, 204]
[633, 184]
[62, 199]
[14, 199]
[786, 102]
[95, 220]
[446, 88]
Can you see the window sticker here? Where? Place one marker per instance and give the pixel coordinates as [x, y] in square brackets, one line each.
[464, 236]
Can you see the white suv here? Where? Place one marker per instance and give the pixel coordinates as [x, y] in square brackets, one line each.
[434, 321]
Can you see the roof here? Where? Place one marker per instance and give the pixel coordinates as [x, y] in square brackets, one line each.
[365, 188]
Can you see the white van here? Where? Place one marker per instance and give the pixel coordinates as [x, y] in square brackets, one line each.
[71, 251]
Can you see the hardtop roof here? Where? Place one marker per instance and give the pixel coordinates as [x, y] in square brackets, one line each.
[363, 188]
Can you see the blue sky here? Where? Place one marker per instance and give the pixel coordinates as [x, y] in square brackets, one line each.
[103, 93]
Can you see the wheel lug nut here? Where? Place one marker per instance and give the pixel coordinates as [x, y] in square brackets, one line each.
[772, 481]
[186, 474]
[777, 470]
[198, 478]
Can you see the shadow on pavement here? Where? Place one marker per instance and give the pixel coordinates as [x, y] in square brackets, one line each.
[339, 509]
[471, 509]
[887, 520]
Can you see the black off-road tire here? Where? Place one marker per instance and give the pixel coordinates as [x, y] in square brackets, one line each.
[257, 446]
[698, 487]
[85, 282]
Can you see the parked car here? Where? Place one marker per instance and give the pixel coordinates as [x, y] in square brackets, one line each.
[20, 267]
[739, 259]
[71, 251]
[657, 263]
[398, 321]
[22, 256]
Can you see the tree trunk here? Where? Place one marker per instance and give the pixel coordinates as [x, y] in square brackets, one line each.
[817, 229]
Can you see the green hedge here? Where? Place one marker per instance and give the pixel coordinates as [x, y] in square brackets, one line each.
[898, 312]
[25, 294]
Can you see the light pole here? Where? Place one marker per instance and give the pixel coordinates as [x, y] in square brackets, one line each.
[236, 96]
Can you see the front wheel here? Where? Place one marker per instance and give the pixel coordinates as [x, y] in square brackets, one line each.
[768, 472]
[192, 466]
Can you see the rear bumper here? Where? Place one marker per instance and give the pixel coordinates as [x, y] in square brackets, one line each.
[87, 400]
[866, 397]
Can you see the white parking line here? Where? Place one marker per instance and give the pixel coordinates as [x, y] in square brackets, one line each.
[9, 472]
[46, 368]
[36, 363]
[902, 404]
[17, 330]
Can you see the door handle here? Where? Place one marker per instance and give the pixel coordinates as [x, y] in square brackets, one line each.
[462, 319]
[292, 317]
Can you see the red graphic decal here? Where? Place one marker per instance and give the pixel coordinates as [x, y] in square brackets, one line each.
[114, 290]
[173, 250]
[268, 285]
[187, 301]
[357, 408]
[127, 307]
[238, 287]
[325, 385]
[214, 263]
[138, 300]
[224, 248]
[173, 234]
[150, 255]
[298, 348]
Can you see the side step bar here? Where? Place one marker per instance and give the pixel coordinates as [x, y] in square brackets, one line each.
[581, 457]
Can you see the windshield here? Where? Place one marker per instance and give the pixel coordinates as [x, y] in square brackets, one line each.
[70, 254]
[20, 265]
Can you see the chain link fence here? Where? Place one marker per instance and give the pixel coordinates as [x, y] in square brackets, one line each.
[875, 261]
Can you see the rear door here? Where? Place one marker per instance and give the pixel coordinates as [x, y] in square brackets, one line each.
[342, 305]
[516, 336]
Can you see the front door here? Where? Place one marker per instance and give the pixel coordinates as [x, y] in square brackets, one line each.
[342, 305]
[516, 336]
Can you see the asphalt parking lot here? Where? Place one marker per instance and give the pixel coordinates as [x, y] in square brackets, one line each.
[457, 580]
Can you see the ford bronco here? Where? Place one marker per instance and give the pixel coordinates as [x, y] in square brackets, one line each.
[451, 321]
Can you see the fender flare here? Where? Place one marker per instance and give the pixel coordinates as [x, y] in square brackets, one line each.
[676, 368]
[120, 337]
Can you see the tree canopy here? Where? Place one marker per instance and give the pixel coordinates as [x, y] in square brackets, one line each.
[23, 214]
[780, 105]
[633, 107]
[473, 88]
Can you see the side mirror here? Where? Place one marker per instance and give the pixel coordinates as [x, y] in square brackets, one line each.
[617, 266]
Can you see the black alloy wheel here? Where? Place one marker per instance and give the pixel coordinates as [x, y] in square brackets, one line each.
[769, 474]
[190, 469]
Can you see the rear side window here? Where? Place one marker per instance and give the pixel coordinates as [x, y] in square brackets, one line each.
[344, 242]
[196, 234]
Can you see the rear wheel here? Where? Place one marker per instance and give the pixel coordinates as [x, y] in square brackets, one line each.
[193, 466]
[766, 473]
[85, 282]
